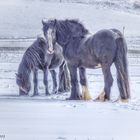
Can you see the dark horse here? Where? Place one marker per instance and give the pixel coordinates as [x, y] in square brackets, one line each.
[95, 51]
[37, 57]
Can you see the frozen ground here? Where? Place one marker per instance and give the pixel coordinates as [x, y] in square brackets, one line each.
[53, 118]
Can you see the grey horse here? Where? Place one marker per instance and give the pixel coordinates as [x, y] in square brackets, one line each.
[82, 51]
[38, 57]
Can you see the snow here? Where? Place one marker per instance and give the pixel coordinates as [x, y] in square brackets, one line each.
[23, 18]
[52, 117]
[54, 120]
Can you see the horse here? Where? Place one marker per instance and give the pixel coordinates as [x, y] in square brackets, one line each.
[38, 57]
[82, 50]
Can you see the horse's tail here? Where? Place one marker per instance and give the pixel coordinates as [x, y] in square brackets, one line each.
[122, 68]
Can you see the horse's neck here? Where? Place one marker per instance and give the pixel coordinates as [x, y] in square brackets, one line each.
[24, 68]
[61, 43]
[58, 48]
[63, 39]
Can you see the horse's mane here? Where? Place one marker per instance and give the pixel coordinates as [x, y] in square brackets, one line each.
[33, 53]
[67, 29]
[32, 57]
[73, 26]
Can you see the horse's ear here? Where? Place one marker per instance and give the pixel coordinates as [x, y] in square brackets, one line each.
[44, 21]
[17, 75]
[40, 37]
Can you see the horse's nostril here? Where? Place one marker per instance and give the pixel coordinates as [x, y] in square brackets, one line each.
[50, 51]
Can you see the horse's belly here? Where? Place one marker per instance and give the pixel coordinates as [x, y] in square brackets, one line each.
[90, 62]
[92, 66]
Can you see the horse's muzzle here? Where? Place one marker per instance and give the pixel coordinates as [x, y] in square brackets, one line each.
[50, 51]
[24, 90]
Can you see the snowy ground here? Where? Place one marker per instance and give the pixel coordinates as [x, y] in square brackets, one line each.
[53, 118]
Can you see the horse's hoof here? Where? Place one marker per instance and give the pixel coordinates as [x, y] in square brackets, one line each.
[61, 91]
[66, 90]
[47, 94]
[85, 93]
[34, 95]
[58, 92]
[54, 92]
[23, 94]
[124, 100]
[75, 98]
[87, 98]
[101, 97]
[69, 98]
[98, 99]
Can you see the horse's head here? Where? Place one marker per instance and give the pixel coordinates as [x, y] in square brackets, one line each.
[23, 83]
[62, 31]
[49, 30]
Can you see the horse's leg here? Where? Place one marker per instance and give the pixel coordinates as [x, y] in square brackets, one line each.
[22, 93]
[75, 94]
[35, 79]
[66, 79]
[64, 82]
[61, 79]
[108, 81]
[83, 82]
[53, 74]
[45, 80]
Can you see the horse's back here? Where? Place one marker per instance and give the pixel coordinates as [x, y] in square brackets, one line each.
[107, 34]
[35, 54]
[104, 45]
